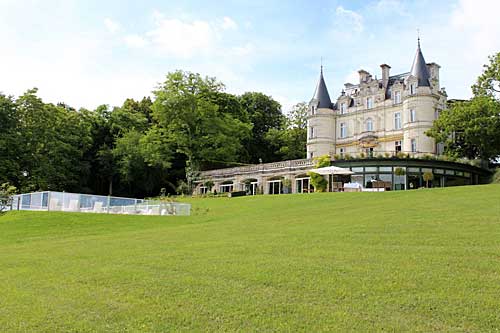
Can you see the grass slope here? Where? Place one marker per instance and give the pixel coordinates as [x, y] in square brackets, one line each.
[426, 260]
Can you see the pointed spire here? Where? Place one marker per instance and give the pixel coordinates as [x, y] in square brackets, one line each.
[419, 67]
[321, 95]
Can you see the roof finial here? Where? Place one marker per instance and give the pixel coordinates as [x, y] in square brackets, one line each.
[418, 37]
[321, 65]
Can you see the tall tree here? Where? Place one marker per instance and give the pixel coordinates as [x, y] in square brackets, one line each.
[10, 145]
[488, 83]
[265, 114]
[290, 143]
[470, 129]
[200, 130]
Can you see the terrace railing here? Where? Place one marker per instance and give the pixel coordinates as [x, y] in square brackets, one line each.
[88, 203]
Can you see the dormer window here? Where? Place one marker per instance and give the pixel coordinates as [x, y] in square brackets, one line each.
[413, 89]
[313, 109]
[369, 103]
[397, 97]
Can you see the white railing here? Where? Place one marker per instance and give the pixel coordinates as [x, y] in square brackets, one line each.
[291, 164]
[88, 203]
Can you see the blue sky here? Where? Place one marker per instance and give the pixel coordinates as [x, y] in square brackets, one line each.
[87, 53]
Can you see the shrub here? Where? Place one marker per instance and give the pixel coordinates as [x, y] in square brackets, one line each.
[347, 156]
[6, 193]
[322, 161]
[318, 182]
[362, 155]
[387, 155]
[336, 157]
[496, 177]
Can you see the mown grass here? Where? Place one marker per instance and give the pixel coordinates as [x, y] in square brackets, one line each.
[424, 260]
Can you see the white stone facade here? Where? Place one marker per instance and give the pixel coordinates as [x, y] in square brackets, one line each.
[378, 116]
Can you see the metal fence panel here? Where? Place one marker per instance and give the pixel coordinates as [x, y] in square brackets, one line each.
[88, 203]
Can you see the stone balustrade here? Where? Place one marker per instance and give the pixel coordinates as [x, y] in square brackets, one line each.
[258, 168]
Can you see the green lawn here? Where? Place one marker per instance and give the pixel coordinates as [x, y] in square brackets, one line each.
[423, 260]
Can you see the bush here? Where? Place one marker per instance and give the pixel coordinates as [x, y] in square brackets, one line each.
[496, 177]
[318, 182]
[387, 155]
[6, 193]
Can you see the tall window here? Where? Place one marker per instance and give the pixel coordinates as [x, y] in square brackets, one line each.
[313, 109]
[397, 146]
[369, 103]
[342, 152]
[343, 130]
[413, 145]
[397, 97]
[397, 120]
[343, 108]
[311, 133]
[413, 89]
[369, 124]
[413, 116]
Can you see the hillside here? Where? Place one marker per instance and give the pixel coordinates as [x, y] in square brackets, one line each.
[423, 260]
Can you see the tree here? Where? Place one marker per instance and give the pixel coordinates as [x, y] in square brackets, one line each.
[289, 143]
[10, 144]
[488, 83]
[470, 129]
[196, 126]
[53, 139]
[265, 115]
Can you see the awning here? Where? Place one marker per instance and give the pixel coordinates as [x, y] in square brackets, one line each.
[332, 170]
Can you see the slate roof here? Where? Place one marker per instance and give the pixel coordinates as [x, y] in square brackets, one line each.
[419, 68]
[321, 95]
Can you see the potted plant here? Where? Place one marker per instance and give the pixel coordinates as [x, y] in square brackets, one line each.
[400, 172]
[428, 176]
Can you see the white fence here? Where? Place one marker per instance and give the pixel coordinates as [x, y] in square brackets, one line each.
[87, 203]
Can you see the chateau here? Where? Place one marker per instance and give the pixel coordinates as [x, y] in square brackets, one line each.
[375, 128]
[378, 116]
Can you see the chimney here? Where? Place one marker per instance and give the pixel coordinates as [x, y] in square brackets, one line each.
[385, 74]
[363, 75]
[433, 69]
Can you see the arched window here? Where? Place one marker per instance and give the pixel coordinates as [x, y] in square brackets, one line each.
[369, 124]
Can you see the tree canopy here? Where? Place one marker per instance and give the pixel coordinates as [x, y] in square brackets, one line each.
[471, 128]
[190, 124]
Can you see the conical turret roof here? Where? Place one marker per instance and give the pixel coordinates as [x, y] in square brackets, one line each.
[321, 95]
[419, 68]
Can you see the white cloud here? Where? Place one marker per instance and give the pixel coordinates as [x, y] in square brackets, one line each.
[135, 41]
[182, 39]
[112, 26]
[229, 24]
[348, 20]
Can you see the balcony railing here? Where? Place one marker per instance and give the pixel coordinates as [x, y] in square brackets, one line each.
[274, 166]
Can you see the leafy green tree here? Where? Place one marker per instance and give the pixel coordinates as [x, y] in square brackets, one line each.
[470, 129]
[264, 114]
[488, 83]
[10, 144]
[53, 139]
[201, 132]
[290, 143]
